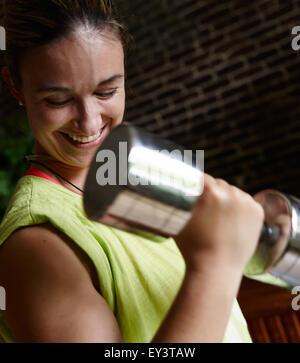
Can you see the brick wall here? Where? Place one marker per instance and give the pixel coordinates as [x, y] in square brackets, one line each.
[220, 75]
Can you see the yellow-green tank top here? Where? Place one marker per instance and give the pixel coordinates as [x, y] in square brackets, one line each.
[139, 274]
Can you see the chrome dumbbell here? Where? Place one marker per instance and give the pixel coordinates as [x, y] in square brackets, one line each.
[138, 181]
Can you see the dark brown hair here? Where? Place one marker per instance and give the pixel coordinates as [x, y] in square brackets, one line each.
[34, 23]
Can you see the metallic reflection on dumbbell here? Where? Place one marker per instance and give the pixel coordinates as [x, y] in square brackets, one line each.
[148, 189]
[278, 251]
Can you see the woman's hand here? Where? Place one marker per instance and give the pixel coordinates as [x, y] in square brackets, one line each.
[225, 226]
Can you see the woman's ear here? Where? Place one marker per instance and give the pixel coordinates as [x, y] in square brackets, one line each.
[11, 85]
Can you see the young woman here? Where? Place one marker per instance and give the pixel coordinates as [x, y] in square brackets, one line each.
[68, 279]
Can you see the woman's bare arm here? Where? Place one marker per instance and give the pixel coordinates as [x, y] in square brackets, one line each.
[49, 291]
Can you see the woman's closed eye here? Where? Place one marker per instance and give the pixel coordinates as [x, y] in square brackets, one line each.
[101, 95]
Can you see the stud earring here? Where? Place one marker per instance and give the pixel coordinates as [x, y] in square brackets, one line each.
[21, 103]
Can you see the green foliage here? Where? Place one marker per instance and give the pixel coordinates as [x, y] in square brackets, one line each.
[16, 142]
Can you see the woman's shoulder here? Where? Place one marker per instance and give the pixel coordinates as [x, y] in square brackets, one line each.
[35, 197]
[43, 247]
[31, 187]
[36, 206]
[40, 211]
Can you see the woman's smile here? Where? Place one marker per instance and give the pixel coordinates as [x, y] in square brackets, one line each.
[86, 142]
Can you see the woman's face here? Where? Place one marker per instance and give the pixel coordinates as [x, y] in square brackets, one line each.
[74, 95]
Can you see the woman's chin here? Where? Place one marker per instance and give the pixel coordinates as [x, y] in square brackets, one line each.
[71, 162]
[82, 163]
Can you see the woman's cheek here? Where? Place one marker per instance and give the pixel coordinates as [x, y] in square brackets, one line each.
[119, 109]
[53, 119]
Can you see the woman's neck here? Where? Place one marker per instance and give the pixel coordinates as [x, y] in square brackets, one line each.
[63, 174]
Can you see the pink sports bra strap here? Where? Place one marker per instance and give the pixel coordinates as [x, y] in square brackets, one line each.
[40, 174]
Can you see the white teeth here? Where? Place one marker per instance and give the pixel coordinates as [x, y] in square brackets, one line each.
[85, 140]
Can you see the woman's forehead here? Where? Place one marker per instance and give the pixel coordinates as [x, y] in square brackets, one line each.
[75, 57]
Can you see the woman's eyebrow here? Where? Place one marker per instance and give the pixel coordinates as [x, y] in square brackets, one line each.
[49, 88]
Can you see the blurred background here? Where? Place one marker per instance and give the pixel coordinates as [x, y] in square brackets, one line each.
[213, 75]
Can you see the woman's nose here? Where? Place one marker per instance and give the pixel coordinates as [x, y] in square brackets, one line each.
[88, 119]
